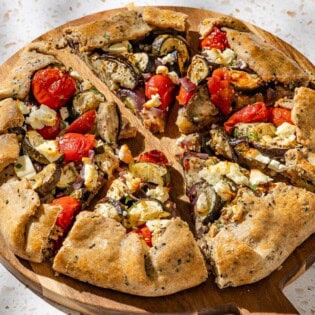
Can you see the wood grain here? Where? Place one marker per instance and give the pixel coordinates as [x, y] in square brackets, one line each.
[264, 297]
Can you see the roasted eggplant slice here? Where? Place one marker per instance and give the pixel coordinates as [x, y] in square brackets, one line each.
[108, 122]
[116, 71]
[254, 131]
[200, 109]
[219, 143]
[207, 204]
[86, 101]
[150, 172]
[166, 43]
[198, 70]
[144, 62]
[46, 180]
[31, 140]
[244, 81]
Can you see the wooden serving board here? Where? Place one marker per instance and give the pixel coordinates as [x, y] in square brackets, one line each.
[266, 296]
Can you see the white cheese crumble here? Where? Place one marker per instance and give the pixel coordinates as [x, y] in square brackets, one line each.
[107, 210]
[258, 178]
[24, 167]
[159, 192]
[90, 174]
[156, 225]
[174, 77]
[50, 150]
[225, 57]
[155, 101]
[64, 113]
[277, 166]
[23, 108]
[161, 70]
[41, 117]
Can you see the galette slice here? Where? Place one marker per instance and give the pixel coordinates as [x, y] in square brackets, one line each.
[139, 54]
[130, 242]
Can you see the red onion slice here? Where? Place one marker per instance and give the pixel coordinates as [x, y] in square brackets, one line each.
[187, 84]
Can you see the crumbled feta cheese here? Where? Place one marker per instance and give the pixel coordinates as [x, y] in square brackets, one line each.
[120, 48]
[125, 154]
[159, 192]
[64, 113]
[76, 75]
[161, 70]
[41, 117]
[86, 85]
[286, 130]
[50, 150]
[156, 225]
[277, 166]
[257, 177]
[174, 77]
[117, 190]
[202, 205]
[132, 182]
[90, 174]
[225, 57]
[24, 167]
[168, 59]
[23, 108]
[155, 101]
[261, 158]
[107, 210]
[223, 189]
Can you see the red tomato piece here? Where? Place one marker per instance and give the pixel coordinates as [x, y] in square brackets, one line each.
[162, 85]
[221, 91]
[70, 206]
[84, 123]
[50, 132]
[75, 146]
[145, 233]
[53, 87]
[186, 91]
[257, 112]
[216, 39]
[154, 156]
[280, 115]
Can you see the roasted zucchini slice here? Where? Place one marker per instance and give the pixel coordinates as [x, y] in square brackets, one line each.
[31, 140]
[150, 172]
[86, 101]
[47, 179]
[166, 43]
[116, 71]
[244, 81]
[198, 70]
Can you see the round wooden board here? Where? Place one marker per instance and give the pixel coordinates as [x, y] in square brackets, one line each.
[264, 296]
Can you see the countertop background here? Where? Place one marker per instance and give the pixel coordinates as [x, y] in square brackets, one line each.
[23, 20]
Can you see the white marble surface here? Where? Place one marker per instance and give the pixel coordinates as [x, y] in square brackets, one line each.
[23, 20]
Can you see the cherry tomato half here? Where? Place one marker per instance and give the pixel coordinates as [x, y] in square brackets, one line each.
[162, 85]
[185, 94]
[53, 87]
[84, 123]
[221, 91]
[70, 206]
[75, 146]
[50, 132]
[280, 115]
[216, 39]
[154, 156]
[257, 112]
[145, 233]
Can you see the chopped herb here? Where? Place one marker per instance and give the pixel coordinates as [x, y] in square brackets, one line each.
[254, 187]
[253, 136]
[106, 36]
[127, 199]
[18, 165]
[219, 225]
[298, 116]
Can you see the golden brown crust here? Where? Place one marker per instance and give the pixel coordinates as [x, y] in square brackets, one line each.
[125, 25]
[286, 212]
[10, 115]
[205, 27]
[303, 116]
[17, 204]
[98, 250]
[9, 149]
[165, 18]
[18, 82]
[268, 62]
